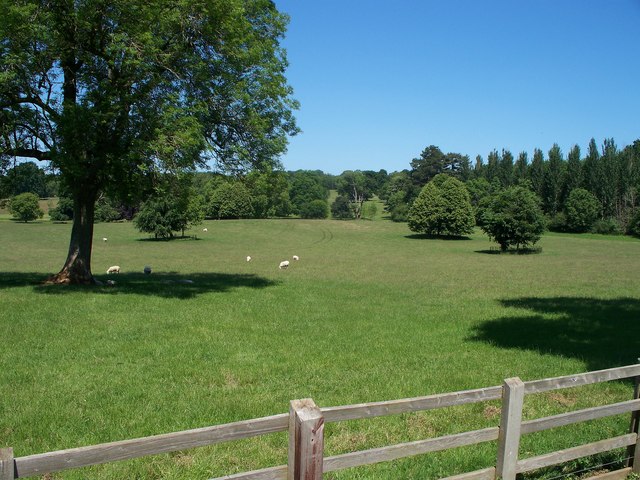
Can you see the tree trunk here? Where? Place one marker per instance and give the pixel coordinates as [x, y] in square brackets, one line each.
[77, 267]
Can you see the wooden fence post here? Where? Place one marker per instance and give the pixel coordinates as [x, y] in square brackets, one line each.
[6, 464]
[510, 422]
[306, 440]
[633, 452]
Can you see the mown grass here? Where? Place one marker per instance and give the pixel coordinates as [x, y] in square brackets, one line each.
[369, 313]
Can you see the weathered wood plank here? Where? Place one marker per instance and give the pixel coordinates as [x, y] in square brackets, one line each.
[615, 475]
[634, 450]
[537, 386]
[394, 407]
[636, 455]
[393, 452]
[484, 474]
[7, 470]
[568, 418]
[306, 440]
[569, 454]
[510, 424]
[273, 473]
[170, 442]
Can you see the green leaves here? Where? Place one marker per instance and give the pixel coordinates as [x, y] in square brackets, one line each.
[513, 217]
[443, 207]
[582, 210]
[24, 207]
[118, 93]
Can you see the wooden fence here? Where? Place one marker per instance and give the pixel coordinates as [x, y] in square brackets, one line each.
[305, 423]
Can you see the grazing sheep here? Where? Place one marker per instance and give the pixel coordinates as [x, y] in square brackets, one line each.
[147, 270]
[104, 239]
[248, 258]
[114, 269]
[296, 257]
[111, 283]
[205, 230]
[284, 264]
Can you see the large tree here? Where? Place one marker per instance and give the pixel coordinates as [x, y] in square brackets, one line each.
[513, 217]
[442, 208]
[554, 179]
[355, 186]
[114, 93]
[433, 162]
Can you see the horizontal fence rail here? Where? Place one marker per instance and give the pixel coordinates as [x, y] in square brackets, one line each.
[110, 452]
[305, 424]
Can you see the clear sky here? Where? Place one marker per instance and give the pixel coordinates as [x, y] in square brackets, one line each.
[380, 80]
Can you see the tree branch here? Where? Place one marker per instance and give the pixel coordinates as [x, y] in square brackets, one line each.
[28, 152]
[33, 101]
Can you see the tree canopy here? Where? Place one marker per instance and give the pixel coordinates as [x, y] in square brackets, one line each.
[513, 217]
[114, 94]
[25, 207]
[443, 207]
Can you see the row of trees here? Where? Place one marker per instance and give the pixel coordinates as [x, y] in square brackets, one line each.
[259, 194]
[575, 194]
[511, 217]
[602, 188]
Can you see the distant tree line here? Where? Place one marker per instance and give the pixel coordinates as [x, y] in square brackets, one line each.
[171, 204]
[598, 191]
[595, 192]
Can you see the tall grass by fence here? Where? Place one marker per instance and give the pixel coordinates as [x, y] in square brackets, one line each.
[305, 423]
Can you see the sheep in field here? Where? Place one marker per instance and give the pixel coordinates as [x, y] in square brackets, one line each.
[284, 264]
[248, 258]
[205, 229]
[147, 270]
[296, 257]
[114, 269]
[104, 239]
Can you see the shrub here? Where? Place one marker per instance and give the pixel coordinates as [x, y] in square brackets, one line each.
[582, 209]
[62, 212]
[514, 217]
[315, 209]
[106, 212]
[607, 226]
[558, 223]
[442, 208]
[400, 213]
[231, 200]
[157, 216]
[342, 209]
[162, 215]
[25, 207]
[634, 224]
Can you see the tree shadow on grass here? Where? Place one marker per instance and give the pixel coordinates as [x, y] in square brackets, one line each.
[169, 239]
[602, 333]
[166, 285]
[511, 251]
[424, 236]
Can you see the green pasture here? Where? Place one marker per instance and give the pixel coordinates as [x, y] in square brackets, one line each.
[371, 312]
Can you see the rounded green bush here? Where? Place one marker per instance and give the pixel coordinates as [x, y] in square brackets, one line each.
[443, 207]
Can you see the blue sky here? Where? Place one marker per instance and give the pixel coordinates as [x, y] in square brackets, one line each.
[378, 81]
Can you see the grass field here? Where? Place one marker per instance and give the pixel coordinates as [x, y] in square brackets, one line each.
[369, 313]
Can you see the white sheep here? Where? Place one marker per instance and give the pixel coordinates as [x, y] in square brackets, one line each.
[147, 270]
[104, 239]
[114, 269]
[296, 257]
[284, 264]
[205, 229]
[248, 258]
